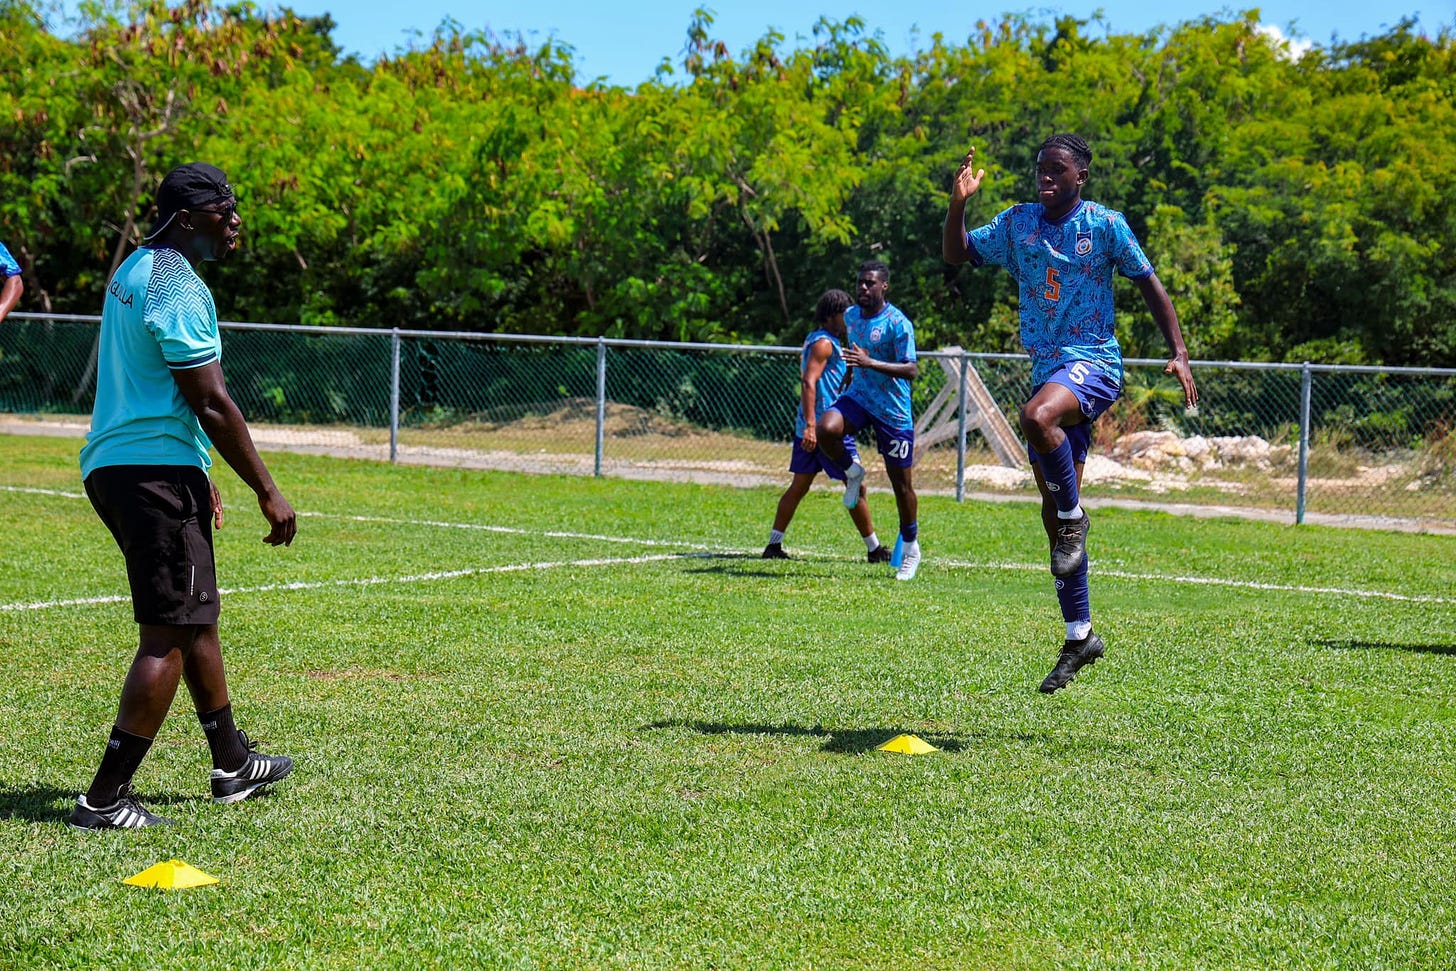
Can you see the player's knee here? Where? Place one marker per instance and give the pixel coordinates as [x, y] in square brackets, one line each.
[830, 425]
[1033, 419]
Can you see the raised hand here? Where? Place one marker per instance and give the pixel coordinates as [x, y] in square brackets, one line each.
[967, 178]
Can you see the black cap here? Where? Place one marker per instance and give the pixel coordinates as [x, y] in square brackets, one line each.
[188, 186]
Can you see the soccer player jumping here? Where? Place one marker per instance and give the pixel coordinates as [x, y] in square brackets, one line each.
[1062, 251]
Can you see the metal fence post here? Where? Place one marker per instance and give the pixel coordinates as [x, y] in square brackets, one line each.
[601, 402]
[394, 343]
[960, 489]
[1306, 382]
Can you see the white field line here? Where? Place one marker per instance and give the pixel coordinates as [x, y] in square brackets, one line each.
[366, 581]
[1097, 574]
[554, 534]
[43, 492]
[451, 574]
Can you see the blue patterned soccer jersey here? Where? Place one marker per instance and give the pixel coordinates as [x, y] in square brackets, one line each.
[826, 389]
[887, 336]
[8, 266]
[158, 317]
[1064, 271]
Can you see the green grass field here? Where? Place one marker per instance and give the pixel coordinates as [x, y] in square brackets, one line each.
[556, 722]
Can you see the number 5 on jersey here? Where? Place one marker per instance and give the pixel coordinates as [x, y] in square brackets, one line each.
[1054, 287]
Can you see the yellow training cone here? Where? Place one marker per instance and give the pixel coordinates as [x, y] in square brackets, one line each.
[172, 875]
[908, 745]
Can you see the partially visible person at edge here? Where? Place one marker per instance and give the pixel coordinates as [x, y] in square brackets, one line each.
[882, 353]
[822, 371]
[13, 286]
[160, 404]
[1062, 250]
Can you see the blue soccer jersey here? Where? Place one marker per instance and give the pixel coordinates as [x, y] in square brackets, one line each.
[1064, 271]
[8, 266]
[887, 336]
[158, 317]
[826, 389]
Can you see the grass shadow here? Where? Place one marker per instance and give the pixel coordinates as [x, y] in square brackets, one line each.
[751, 565]
[763, 572]
[47, 804]
[734, 570]
[709, 555]
[1348, 644]
[36, 804]
[852, 741]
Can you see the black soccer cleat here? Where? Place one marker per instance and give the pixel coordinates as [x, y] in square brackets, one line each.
[880, 554]
[1074, 657]
[256, 772]
[126, 813]
[1070, 550]
[774, 551]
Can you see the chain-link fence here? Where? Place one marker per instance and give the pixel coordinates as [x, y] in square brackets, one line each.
[1371, 446]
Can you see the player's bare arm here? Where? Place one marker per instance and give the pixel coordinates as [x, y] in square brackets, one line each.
[859, 357]
[220, 418]
[808, 393]
[10, 293]
[1167, 319]
[963, 185]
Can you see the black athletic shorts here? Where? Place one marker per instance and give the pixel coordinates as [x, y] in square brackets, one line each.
[161, 517]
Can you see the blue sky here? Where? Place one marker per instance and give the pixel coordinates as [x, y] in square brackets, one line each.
[625, 41]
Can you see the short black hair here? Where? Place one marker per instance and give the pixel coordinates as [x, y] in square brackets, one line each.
[831, 304]
[874, 266]
[1073, 145]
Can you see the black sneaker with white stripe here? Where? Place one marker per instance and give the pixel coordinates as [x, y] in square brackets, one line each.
[255, 773]
[125, 813]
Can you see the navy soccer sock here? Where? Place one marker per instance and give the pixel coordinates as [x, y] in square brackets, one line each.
[1075, 597]
[1060, 472]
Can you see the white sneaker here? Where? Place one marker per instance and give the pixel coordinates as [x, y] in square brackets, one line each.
[910, 561]
[853, 479]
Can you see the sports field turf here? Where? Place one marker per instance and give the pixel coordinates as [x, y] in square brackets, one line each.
[563, 722]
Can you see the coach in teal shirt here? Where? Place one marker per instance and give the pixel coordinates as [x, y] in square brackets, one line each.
[160, 405]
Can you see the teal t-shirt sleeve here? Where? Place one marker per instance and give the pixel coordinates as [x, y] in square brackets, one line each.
[8, 266]
[1127, 254]
[905, 342]
[991, 243]
[179, 316]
